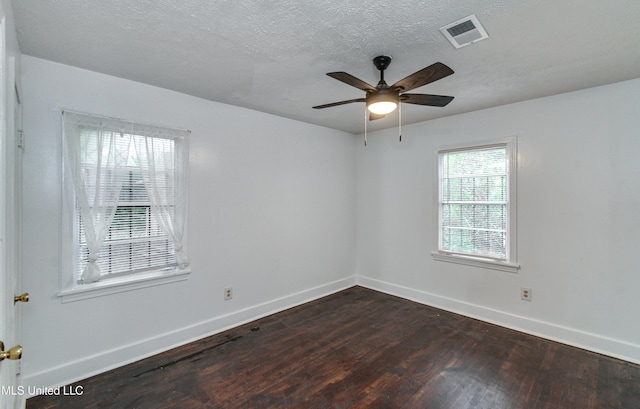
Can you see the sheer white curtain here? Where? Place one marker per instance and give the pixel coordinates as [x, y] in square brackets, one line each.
[96, 153]
[163, 163]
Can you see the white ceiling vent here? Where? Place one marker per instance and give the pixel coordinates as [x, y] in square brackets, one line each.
[465, 31]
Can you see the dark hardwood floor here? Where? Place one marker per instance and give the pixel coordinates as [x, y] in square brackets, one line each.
[363, 349]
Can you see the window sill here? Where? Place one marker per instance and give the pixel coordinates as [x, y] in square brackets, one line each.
[117, 285]
[476, 262]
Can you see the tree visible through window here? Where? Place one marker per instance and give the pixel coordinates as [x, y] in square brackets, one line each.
[474, 202]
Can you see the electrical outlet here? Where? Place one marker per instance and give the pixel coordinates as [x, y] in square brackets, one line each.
[525, 294]
[228, 293]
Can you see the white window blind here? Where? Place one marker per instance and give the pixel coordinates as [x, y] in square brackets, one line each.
[135, 241]
[474, 202]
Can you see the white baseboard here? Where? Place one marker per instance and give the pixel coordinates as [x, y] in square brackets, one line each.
[591, 342]
[106, 360]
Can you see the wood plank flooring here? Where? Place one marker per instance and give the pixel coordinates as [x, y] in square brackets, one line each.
[363, 349]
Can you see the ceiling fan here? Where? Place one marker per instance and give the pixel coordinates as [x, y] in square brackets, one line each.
[384, 99]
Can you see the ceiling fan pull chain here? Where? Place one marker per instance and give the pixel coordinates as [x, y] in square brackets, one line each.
[365, 125]
[400, 120]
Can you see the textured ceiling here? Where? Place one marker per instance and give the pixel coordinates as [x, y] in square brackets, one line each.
[272, 56]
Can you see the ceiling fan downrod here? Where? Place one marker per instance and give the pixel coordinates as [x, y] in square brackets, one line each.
[381, 62]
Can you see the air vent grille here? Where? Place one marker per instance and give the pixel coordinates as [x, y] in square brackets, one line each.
[464, 31]
[461, 28]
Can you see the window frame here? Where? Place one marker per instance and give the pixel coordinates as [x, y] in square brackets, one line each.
[69, 289]
[511, 263]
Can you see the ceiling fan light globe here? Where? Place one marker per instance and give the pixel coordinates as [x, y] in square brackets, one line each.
[382, 107]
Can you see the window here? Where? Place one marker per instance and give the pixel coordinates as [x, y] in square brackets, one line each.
[125, 199]
[135, 241]
[476, 205]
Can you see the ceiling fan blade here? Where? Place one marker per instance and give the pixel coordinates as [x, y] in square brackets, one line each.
[425, 76]
[351, 80]
[373, 117]
[426, 99]
[335, 104]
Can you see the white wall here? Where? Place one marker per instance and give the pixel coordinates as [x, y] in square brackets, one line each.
[578, 221]
[271, 213]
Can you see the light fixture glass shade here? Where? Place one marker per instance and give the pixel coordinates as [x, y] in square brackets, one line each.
[382, 107]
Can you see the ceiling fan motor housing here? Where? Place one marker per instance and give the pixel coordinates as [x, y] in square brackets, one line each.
[383, 95]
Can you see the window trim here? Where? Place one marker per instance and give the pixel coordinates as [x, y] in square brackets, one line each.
[511, 264]
[68, 288]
